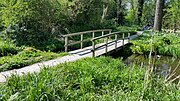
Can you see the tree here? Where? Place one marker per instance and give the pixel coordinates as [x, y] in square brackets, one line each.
[131, 16]
[158, 15]
[140, 9]
[148, 12]
[171, 19]
[119, 12]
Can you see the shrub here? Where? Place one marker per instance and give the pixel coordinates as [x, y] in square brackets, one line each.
[127, 28]
[26, 57]
[7, 48]
[162, 43]
[41, 41]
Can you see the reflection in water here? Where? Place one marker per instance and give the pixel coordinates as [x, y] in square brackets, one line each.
[164, 65]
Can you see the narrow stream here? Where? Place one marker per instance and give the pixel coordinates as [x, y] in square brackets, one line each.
[165, 65]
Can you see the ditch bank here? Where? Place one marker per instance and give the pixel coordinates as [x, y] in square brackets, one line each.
[165, 66]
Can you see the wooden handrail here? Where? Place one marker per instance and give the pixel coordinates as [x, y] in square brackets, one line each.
[78, 42]
[82, 40]
[78, 33]
[107, 37]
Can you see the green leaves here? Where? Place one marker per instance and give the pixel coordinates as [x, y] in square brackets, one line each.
[172, 15]
[26, 57]
[13, 11]
[7, 48]
[164, 44]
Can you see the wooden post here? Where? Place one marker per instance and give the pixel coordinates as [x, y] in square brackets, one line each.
[66, 43]
[102, 35]
[123, 40]
[129, 37]
[106, 45]
[93, 35]
[81, 40]
[93, 48]
[116, 42]
[109, 33]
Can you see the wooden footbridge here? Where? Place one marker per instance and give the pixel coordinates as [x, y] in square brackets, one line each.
[92, 43]
[101, 41]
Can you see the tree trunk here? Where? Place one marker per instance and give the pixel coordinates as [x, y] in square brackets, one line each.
[140, 9]
[119, 12]
[158, 15]
[105, 9]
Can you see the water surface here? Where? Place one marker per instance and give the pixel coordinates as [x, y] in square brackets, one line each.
[164, 65]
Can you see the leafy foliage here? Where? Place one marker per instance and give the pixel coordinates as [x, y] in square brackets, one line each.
[7, 48]
[148, 12]
[100, 78]
[126, 28]
[26, 57]
[162, 43]
[43, 22]
[172, 15]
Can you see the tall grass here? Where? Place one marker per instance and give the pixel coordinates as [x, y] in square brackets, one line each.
[89, 79]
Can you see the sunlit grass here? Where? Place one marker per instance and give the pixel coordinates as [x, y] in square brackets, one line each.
[100, 78]
[26, 57]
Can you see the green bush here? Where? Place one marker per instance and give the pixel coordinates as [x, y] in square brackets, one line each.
[38, 23]
[41, 41]
[88, 79]
[127, 28]
[7, 48]
[162, 43]
[26, 57]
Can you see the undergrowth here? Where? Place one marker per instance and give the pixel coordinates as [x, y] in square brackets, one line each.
[126, 28]
[26, 57]
[89, 79]
[163, 43]
[7, 48]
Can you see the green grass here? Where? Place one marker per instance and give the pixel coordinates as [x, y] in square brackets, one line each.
[89, 79]
[162, 43]
[26, 57]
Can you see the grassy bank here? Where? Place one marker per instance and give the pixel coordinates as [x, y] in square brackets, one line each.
[26, 57]
[100, 78]
[162, 43]
[14, 57]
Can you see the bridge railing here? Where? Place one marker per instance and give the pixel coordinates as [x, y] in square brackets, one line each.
[107, 37]
[67, 43]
